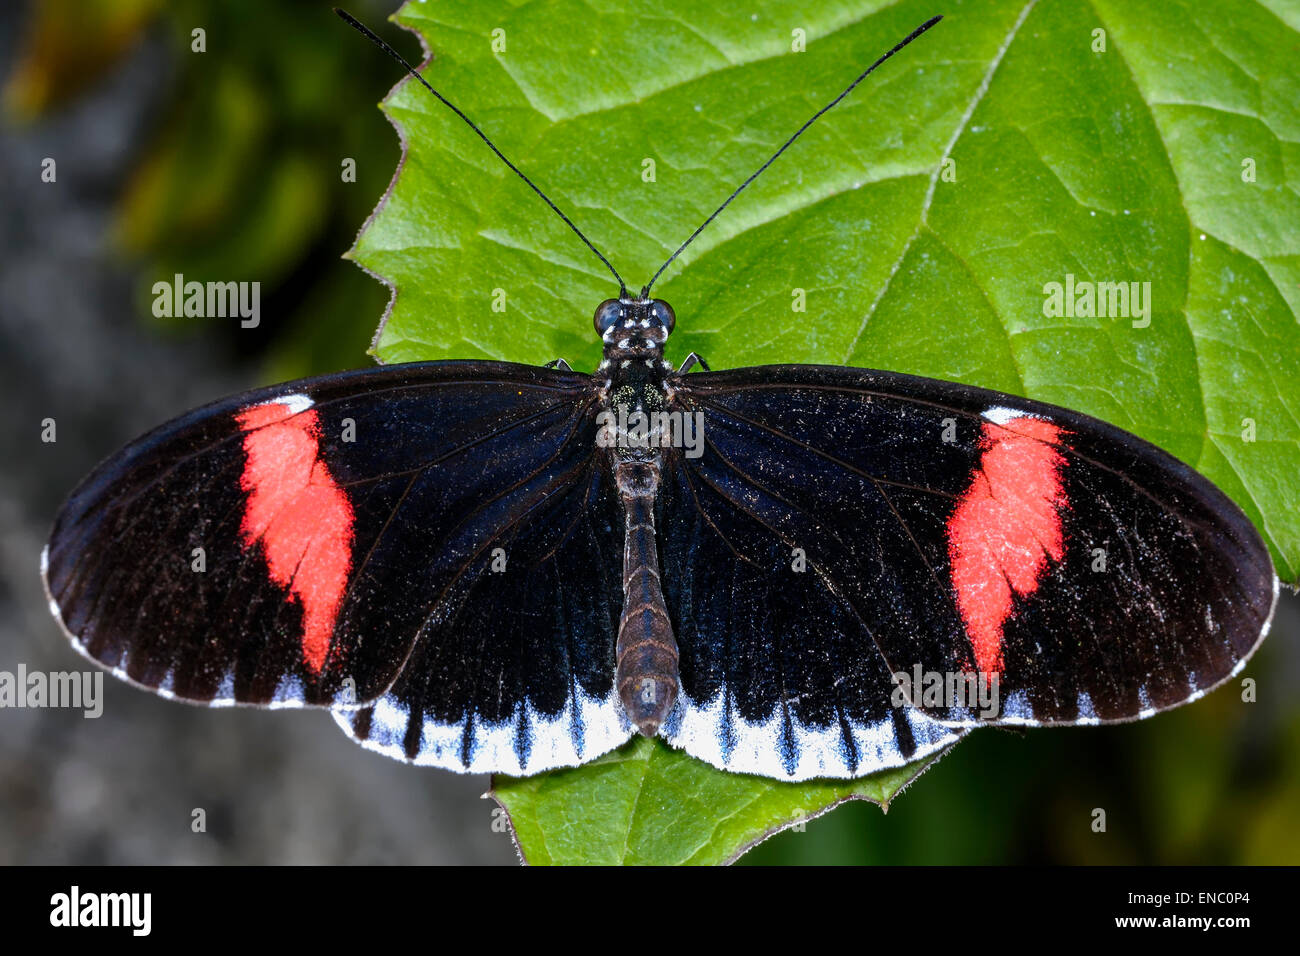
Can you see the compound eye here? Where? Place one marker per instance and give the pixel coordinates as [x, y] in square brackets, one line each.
[607, 313]
[663, 312]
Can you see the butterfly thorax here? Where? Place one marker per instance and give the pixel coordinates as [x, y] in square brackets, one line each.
[633, 375]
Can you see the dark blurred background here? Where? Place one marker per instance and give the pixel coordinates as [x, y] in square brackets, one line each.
[232, 171]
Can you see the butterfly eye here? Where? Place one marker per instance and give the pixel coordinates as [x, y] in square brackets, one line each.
[607, 313]
[663, 312]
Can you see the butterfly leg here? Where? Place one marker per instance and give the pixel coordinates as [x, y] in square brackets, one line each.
[558, 364]
[693, 360]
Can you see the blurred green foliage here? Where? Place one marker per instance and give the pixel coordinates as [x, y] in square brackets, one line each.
[69, 44]
[241, 174]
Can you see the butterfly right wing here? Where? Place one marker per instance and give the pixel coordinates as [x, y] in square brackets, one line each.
[844, 525]
[780, 675]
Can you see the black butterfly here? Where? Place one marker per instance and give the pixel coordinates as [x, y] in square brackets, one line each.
[797, 571]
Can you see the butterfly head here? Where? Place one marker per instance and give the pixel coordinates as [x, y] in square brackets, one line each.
[636, 324]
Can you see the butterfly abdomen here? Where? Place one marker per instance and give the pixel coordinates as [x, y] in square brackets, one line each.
[646, 650]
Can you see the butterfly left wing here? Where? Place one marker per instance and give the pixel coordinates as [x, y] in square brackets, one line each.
[433, 540]
[964, 532]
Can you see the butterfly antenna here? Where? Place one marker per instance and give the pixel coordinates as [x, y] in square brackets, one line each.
[370, 35]
[645, 292]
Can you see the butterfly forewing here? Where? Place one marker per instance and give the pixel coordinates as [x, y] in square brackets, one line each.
[960, 531]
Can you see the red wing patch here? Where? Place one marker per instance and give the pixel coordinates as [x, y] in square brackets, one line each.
[1005, 528]
[302, 518]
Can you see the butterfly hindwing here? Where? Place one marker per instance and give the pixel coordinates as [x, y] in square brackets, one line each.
[516, 674]
[779, 674]
[970, 533]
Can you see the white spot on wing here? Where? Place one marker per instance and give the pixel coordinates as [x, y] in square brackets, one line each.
[1087, 714]
[1016, 707]
[296, 403]
[1001, 414]
[1145, 700]
[1263, 633]
[288, 692]
[225, 691]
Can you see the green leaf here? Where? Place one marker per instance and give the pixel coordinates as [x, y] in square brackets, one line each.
[1135, 141]
[647, 803]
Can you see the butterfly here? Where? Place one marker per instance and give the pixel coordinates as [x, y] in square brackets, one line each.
[796, 571]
